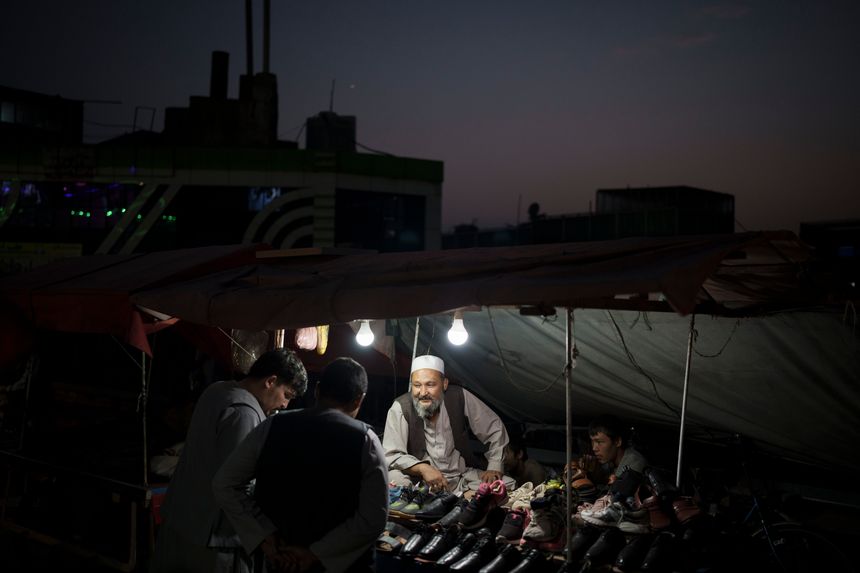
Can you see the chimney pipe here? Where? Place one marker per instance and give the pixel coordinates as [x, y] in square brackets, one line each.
[218, 78]
[249, 38]
[267, 25]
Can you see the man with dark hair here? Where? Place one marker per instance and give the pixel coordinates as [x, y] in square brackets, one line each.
[427, 433]
[321, 493]
[519, 466]
[195, 535]
[610, 444]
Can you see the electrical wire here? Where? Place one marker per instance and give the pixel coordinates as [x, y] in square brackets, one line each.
[505, 365]
[641, 370]
[723, 347]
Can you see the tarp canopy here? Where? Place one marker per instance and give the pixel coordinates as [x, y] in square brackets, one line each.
[724, 274]
[790, 380]
[91, 294]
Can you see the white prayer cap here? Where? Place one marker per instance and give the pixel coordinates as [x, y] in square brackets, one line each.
[428, 361]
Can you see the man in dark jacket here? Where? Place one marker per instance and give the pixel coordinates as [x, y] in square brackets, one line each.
[321, 493]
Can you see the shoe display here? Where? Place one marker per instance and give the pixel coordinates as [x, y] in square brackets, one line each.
[436, 507]
[508, 558]
[546, 518]
[533, 561]
[488, 496]
[513, 526]
[462, 546]
[631, 556]
[438, 545]
[606, 548]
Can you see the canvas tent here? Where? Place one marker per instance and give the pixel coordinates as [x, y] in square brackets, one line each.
[787, 379]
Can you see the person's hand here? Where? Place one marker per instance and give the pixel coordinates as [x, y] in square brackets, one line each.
[432, 477]
[303, 557]
[489, 476]
[273, 548]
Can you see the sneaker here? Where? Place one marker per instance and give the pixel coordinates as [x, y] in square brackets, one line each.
[609, 516]
[404, 497]
[520, 497]
[419, 499]
[488, 496]
[513, 526]
[546, 519]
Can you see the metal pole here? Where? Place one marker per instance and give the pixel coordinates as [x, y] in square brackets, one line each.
[143, 415]
[684, 399]
[28, 374]
[568, 389]
[415, 344]
[267, 11]
[249, 38]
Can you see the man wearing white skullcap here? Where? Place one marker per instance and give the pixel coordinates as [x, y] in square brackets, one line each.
[427, 433]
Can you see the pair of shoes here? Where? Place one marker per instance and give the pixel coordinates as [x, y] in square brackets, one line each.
[618, 515]
[512, 529]
[482, 552]
[416, 541]
[488, 496]
[599, 505]
[393, 538]
[546, 518]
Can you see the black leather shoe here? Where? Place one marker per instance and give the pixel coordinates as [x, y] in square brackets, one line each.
[582, 541]
[606, 547]
[453, 516]
[482, 553]
[633, 554]
[660, 553]
[438, 507]
[439, 544]
[508, 558]
[533, 561]
[416, 541]
[463, 546]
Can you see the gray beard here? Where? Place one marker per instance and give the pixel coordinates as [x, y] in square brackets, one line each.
[427, 412]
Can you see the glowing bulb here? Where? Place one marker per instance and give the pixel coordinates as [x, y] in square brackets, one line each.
[364, 336]
[458, 335]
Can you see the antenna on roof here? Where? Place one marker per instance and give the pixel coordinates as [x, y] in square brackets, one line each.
[331, 97]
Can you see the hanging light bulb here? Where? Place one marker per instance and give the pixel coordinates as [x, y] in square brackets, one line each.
[458, 335]
[364, 336]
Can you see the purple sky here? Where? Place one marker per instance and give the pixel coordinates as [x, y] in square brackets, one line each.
[547, 100]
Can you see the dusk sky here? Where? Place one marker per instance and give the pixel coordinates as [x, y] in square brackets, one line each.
[543, 100]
